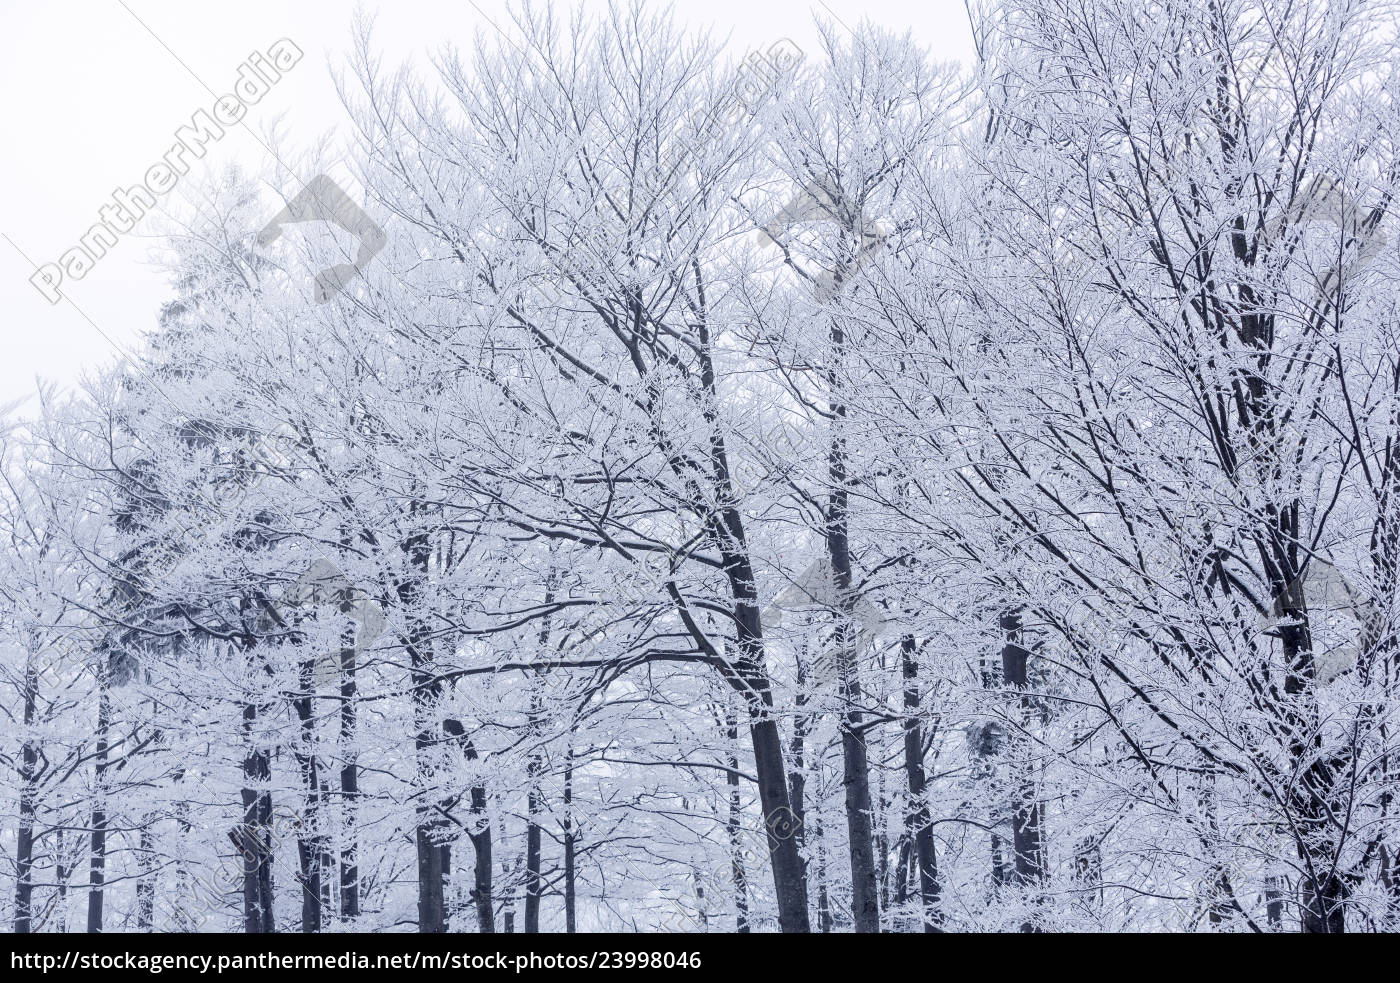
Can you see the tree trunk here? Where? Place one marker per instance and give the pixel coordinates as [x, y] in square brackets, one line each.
[751, 679]
[750, 673]
[349, 781]
[28, 770]
[1323, 894]
[1273, 903]
[428, 836]
[432, 913]
[146, 883]
[920, 823]
[1027, 812]
[865, 904]
[533, 806]
[97, 858]
[732, 828]
[311, 845]
[570, 923]
[254, 838]
[479, 832]
[532, 862]
[824, 920]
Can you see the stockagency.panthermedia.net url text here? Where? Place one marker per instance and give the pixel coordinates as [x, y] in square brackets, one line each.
[156, 963]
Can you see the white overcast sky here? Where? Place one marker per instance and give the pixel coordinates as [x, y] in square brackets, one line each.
[93, 90]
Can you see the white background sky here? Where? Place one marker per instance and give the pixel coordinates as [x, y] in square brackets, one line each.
[91, 92]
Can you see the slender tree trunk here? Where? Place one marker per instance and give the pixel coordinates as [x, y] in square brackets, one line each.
[882, 840]
[751, 680]
[146, 883]
[533, 806]
[824, 918]
[920, 823]
[865, 904]
[1323, 894]
[1088, 872]
[254, 838]
[999, 872]
[788, 875]
[1273, 903]
[479, 832]
[1027, 812]
[570, 840]
[510, 881]
[62, 873]
[732, 827]
[349, 780]
[750, 674]
[311, 845]
[428, 835]
[432, 914]
[97, 857]
[701, 910]
[532, 854]
[903, 855]
[28, 770]
[184, 904]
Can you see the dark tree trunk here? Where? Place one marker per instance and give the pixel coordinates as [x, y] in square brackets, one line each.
[24, 838]
[349, 781]
[779, 821]
[479, 832]
[999, 874]
[532, 864]
[429, 833]
[146, 883]
[97, 858]
[750, 674]
[1273, 903]
[788, 875]
[737, 872]
[432, 912]
[533, 806]
[1323, 894]
[1088, 871]
[865, 903]
[311, 845]
[824, 919]
[750, 678]
[254, 838]
[920, 823]
[904, 854]
[570, 923]
[1027, 812]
